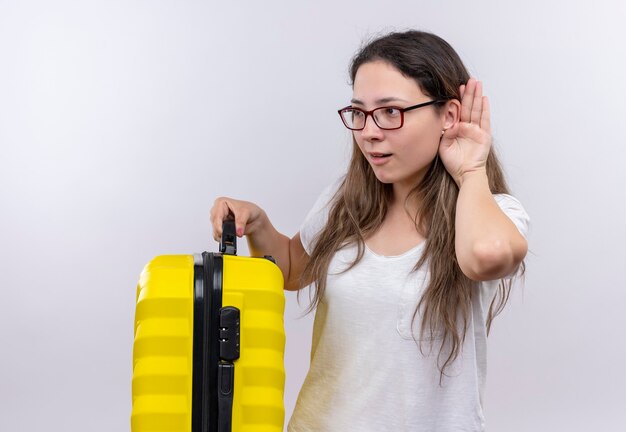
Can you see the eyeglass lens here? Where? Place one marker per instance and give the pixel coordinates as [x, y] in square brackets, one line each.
[385, 118]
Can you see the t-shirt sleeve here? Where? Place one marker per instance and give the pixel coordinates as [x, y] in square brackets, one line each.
[318, 216]
[516, 212]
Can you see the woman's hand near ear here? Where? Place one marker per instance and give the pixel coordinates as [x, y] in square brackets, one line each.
[465, 145]
[488, 245]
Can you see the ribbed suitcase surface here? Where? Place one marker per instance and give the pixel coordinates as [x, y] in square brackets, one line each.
[163, 352]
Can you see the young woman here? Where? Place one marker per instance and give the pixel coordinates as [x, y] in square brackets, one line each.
[411, 253]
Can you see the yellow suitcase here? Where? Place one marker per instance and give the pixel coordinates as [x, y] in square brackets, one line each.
[209, 343]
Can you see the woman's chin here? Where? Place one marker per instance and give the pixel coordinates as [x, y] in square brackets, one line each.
[384, 174]
[384, 178]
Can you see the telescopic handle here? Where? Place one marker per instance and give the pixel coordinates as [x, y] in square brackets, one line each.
[228, 245]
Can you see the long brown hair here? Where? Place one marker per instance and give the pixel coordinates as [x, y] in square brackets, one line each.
[361, 202]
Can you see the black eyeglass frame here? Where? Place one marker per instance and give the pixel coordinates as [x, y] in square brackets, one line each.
[371, 113]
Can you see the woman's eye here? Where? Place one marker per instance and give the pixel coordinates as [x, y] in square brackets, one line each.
[392, 112]
[357, 114]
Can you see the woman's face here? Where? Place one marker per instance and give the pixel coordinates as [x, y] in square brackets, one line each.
[401, 156]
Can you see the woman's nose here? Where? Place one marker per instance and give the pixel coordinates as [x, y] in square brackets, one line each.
[371, 129]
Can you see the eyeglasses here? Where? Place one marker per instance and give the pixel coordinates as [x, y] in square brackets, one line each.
[387, 118]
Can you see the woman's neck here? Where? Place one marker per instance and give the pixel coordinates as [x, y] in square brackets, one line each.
[402, 188]
[401, 195]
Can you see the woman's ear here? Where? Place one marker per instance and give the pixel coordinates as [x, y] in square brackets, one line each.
[451, 114]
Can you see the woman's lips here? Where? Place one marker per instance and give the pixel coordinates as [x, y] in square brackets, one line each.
[379, 158]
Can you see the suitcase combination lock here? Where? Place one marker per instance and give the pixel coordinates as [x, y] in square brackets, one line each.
[229, 333]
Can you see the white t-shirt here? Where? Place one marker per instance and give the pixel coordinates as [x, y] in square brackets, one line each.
[367, 372]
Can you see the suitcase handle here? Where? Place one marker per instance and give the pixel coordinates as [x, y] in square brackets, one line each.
[228, 245]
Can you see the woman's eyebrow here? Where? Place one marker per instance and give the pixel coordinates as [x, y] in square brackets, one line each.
[380, 101]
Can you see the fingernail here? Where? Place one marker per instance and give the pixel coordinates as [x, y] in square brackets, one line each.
[240, 232]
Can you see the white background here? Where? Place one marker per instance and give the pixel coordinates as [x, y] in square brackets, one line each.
[122, 121]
